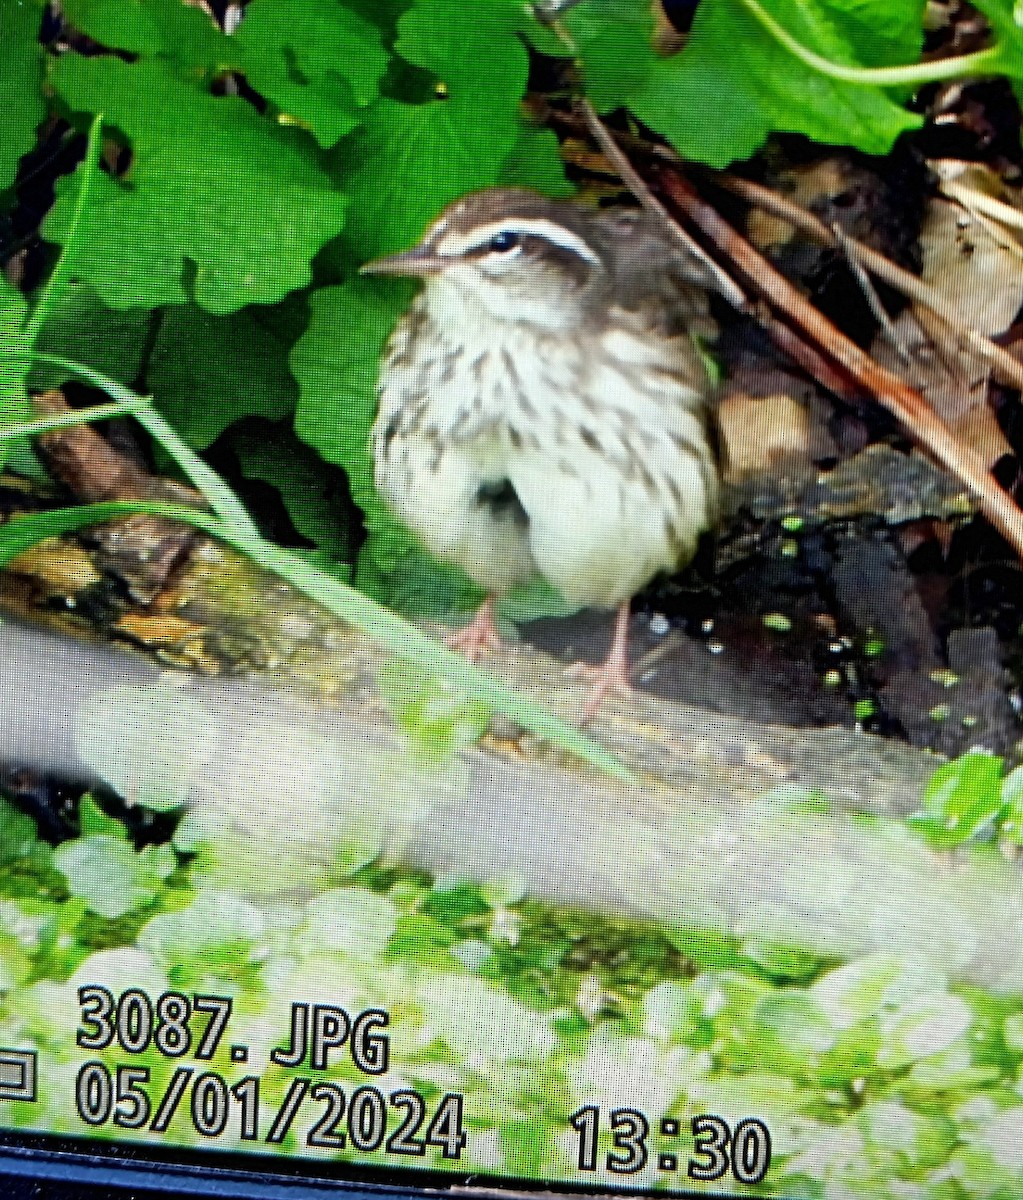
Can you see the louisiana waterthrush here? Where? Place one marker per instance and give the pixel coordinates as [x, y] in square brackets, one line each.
[544, 405]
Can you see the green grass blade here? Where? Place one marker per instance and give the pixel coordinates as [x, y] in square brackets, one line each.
[61, 272]
[20, 533]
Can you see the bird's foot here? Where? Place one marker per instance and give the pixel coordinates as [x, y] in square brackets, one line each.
[612, 676]
[479, 637]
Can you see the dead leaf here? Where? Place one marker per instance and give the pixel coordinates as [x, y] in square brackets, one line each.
[972, 260]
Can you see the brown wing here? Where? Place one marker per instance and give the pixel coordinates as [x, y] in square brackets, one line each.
[652, 272]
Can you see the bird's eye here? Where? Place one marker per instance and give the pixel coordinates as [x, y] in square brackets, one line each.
[504, 241]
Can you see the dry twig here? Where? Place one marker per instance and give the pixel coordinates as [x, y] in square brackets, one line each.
[918, 418]
[1006, 368]
[639, 188]
[905, 402]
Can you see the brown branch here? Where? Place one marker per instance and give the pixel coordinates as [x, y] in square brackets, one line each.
[923, 424]
[1007, 369]
[803, 354]
[837, 382]
[641, 190]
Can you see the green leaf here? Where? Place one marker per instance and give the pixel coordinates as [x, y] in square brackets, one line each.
[21, 76]
[80, 324]
[217, 202]
[535, 162]
[208, 371]
[439, 719]
[1012, 806]
[615, 41]
[961, 798]
[355, 921]
[533, 601]
[93, 820]
[318, 61]
[410, 160]
[707, 948]
[715, 105]
[17, 833]
[121, 24]
[178, 32]
[109, 876]
[336, 363]
[15, 356]
[304, 482]
[218, 935]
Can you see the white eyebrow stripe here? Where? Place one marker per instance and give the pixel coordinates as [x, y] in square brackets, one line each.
[539, 227]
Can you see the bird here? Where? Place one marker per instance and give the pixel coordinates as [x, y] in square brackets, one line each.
[545, 405]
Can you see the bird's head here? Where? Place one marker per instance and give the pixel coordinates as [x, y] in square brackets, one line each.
[507, 254]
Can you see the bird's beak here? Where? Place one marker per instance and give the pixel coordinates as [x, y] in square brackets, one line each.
[417, 261]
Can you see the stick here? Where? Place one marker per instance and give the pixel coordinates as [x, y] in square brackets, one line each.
[1007, 369]
[639, 188]
[898, 397]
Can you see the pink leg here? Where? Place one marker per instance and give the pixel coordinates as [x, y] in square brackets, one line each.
[478, 637]
[613, 674]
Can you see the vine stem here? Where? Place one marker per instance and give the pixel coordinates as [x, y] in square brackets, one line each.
[980, 62]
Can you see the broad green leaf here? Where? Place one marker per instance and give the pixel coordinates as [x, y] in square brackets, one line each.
[220, 938]
[534, 600]
[615, 41]
[93, 820]
[535, 161]
[438, 719]
[109, 876]
[385, 13]
[79, 324]
[318, 61]
[17, 833]
[306, 484]
[336, 362]
[120, 24]
[352, 920]
[21, 75]
[208, 370]
[215, 927]
[409, 160]
[171, 29]
[961, 798]
[1012, 806]
[217, 201]
[733, 84]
